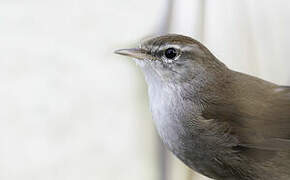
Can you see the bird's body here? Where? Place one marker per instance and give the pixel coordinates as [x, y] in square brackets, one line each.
[221, 123]
[201, 133]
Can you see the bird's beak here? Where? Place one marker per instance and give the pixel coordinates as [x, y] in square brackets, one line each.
[134, 53]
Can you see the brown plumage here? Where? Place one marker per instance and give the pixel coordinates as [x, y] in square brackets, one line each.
[221, 123]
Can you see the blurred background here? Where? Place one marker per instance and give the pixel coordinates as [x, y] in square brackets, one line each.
[71, 109]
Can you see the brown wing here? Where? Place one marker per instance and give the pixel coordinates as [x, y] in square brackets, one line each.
[258, 113]
[269, 127]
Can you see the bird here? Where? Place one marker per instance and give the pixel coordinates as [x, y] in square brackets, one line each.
[221, 123]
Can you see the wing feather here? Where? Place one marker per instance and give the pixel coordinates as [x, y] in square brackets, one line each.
[258, 113]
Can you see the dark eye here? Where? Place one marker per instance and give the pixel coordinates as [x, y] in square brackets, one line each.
[170, 53]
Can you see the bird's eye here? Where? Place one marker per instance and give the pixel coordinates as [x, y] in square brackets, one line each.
[170, 53]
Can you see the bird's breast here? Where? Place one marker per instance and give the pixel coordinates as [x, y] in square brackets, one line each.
[166, 115]
[172, 116]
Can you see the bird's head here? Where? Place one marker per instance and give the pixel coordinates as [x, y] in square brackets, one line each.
[173, 59]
